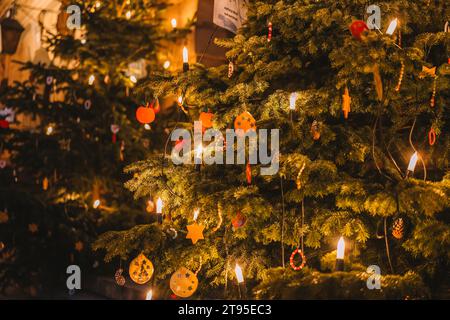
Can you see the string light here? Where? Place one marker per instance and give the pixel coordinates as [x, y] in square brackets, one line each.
[83, 41]
[166, 64]
[159, 206]
[147, 126]
[196, 213]
[185, 59]
[96, 204]
[49, 130]
[173, 22]
[128, 15]
[392, 26]
[133, 79]
[413, 162]
[340, 254]
[149, 295]
[98, 4]
[238, 272]
[293, 100]
[91, 79]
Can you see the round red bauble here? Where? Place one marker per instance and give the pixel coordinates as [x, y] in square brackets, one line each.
[4, 124]
[145, 115]
[357, 28]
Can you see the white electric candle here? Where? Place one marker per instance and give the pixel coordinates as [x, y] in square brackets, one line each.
[413, 162]
[159, 206]
[340, 249]
[185, 55]
[239, 276]
[392, 27]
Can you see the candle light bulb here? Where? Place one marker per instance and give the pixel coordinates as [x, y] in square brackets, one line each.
[239, 276]
[96, 204]
[49, 130]
[128, 15]
[98, 4]
[185, 55]
[180, 100]
[413, 162]
[173, 22]
[293, 100]
[159, 206]
[199, 151]
[147, 126]
[91, 79]
[166, 64]
[340, 249]
[392, 27]
[133, 79]
[196, 213]
[149, 295]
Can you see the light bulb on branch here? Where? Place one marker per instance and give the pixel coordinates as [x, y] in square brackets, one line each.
[185, 60]
[340, 254]
[198, 157]
[238, 272]
[392, 26]
[166, 64]
[196, 213]
[96, 204]
[412, 164]
[159, 207]
[173, 22]
[91, 79]
[293, 100]
[149, 295]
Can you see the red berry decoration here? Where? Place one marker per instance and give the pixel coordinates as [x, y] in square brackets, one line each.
[357, 28]
[4, 124]
[145, 115]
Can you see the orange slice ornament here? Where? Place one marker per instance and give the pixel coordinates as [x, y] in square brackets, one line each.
[183, 282]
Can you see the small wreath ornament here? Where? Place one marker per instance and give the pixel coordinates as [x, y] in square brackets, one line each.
[291, 260]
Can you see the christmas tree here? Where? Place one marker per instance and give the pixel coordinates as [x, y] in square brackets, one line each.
[63, 183]
[360, 105]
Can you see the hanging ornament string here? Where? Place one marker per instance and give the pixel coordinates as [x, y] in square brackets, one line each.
[400, 78]
[219, 213]
[282, 222]
[199, 266]
[432, 137]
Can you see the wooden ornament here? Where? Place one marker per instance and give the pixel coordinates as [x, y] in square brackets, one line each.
[45, 184]
[239, 221]
[346, 101]
[4, 217]
[141, 269]
[120, 279]
[315, 130]
[230, 69]
[432, 136]
[183, 283]
[245, 122]
[398, 228]
[206, 119]
[427, 72]
[195, 232]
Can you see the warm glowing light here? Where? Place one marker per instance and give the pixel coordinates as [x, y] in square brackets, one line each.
[239, 276]
[128, 15]
[293, 100]
[199, 151]
[91, 79]
[133, 79]
[392, 27]
[413, 162]
[83, 41]
[159, 206]
[185, 55]
[173, 22]
[340, 249]
[196, 213]
[180, 100]
[49, 130]
[98, 4]
[147, 126]
[96, 204]
[166, 64]
[149, 295]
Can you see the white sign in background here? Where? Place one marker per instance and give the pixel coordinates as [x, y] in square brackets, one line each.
[230, 14]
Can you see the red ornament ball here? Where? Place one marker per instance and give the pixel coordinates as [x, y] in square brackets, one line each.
[145, 115]
[357, 28]
[4, 124]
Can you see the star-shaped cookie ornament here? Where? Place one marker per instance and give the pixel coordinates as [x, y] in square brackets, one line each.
[195, 232]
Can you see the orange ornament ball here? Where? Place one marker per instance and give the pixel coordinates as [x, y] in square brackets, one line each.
[145, 115]
[206, 119]
[245, 122]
